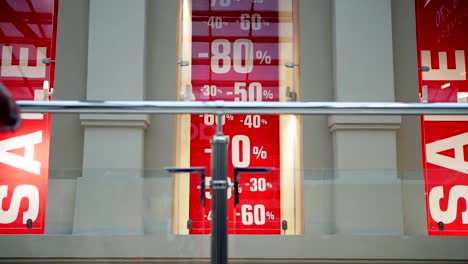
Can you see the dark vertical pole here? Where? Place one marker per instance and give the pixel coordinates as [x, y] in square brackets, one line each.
[219, 185]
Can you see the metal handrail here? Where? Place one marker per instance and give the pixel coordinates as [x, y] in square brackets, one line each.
[222, 107]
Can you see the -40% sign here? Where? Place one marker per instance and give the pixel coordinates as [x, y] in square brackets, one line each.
[254, 121]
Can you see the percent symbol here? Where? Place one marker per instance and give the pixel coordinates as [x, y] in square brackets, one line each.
[267, 94]
[270, 215]
[229, 117]
[263, 57]
[259, 152]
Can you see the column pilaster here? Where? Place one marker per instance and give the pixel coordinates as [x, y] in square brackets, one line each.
[109, 193]
[367, 191]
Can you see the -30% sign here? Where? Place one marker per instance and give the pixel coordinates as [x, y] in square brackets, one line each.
[259, 185]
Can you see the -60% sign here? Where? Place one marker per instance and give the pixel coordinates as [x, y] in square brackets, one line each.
[210, 119]
[255, 22]
[255, 214]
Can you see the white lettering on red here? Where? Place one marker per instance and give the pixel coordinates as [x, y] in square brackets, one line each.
[450, 215]
[22, 191]
[456, 143]
[23, 70]
[26, 162]
[443, 73]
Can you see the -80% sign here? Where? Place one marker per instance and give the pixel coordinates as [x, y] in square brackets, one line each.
[242, 56]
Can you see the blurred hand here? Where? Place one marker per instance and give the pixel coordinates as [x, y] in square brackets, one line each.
[10, 117]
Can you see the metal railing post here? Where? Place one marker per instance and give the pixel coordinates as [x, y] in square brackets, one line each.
[219, 186]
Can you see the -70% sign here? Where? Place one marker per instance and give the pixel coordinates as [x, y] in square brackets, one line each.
[241, 151]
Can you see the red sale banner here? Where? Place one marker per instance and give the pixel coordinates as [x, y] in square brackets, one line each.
[235, 57]
[442, 27]
[27, 50]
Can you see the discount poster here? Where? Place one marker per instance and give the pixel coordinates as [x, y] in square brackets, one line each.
[235, 57]
[442, 27]
[27, 48]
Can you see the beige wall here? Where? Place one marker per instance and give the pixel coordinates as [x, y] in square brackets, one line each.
[70, 84]
[161, 81]
[409, 136]
[66, 153]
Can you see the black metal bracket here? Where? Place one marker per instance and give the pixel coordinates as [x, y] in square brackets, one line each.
[29, 223]
[284, 226]
[189, 224]
[200, 170]
[238, 171]
[440, 225]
